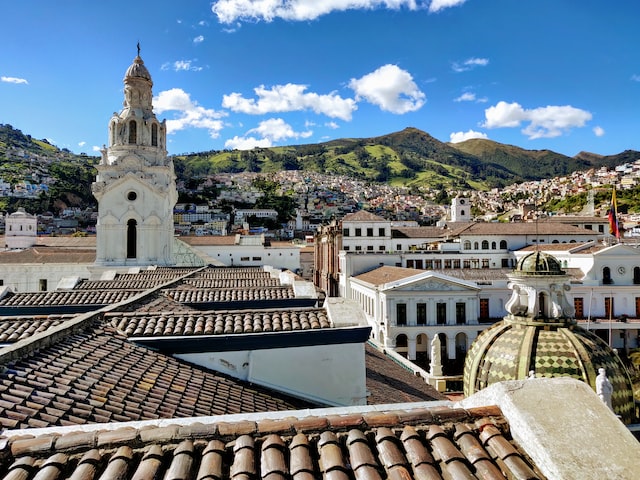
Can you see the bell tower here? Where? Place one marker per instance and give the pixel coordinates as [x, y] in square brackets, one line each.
[136, 183]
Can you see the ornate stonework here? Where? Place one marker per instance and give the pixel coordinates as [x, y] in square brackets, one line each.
[135, 186]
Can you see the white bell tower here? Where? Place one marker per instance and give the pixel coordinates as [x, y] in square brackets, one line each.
[460, 209]
[135, 185]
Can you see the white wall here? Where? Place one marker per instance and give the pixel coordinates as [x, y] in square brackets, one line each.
[326, 374]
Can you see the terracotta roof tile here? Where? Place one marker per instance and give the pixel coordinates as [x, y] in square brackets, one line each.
[423, 448]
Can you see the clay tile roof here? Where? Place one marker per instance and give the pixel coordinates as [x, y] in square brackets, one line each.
[386, 274]
[191, 296]
[417, 443]
[48, 255]
[219, 322]
[13, 329]
[67, 298]
[98, 376]
[363, 216]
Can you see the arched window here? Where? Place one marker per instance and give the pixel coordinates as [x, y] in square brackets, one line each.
[466, 245]
[493, 245]
[401, 340]
[636, 275]
[503, 244]
[131, 239]
[462, 213]
[485, 245]
[475, 245]
[113, 133]
[154, 135]
[133, 132]
[606, 276]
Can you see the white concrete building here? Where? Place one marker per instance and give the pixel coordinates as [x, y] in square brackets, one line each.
[135, 186]
[21, 229]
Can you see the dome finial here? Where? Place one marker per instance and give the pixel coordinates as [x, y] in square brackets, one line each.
[138, 46]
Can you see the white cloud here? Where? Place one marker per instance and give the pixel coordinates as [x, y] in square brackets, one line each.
[437, 5]
[82, 144]
[246, 143]
[470, 97]
[391, 88]
[543, 122]
[332, 125]
[14, 80]
[96, 148]
[199, 39]
[598, 131]
[189, 113]
[457, 137]
[270, 131]
[181, 65]
[229, 11]
[290, 98]
[466, 97]
[469, 64]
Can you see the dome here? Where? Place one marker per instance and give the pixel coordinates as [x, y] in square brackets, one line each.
[137, 69]
[512, 348]
[539, 263]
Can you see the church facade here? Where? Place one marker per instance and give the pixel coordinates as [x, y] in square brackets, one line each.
[136, 184]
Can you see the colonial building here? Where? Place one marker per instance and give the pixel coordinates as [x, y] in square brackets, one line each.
[135, 186]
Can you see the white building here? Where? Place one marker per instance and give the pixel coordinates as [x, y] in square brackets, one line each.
[135, 186]
[21, 229]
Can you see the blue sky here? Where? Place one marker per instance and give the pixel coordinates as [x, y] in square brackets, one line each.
[562, 75]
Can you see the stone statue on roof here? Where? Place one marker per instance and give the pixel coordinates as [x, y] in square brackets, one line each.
[604, 388]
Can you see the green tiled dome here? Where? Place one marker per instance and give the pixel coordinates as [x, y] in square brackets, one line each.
[511, 348]
[539, 263]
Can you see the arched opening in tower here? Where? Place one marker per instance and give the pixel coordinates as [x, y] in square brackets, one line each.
[133, 132]
[131, 238]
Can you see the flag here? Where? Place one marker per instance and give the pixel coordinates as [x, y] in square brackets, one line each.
[614, 226]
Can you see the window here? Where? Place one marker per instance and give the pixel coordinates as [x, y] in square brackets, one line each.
[421, 313]
[456, 263]
[382, 248]
[256, 259]
[370, 232]
[493, 245]
[461, 313]
[358, 248]
[608, 307]
[369, 248]
[401, 314]
[606, 276]
[441, 313]
[398, 247]
[428, 264]
[578, 304]
[1, 282]
[503, 244]
[410, 263]
[466, 245]
[484, 308]
[346, 248]
[133, 132]
[636, 275]
[466, 263]
[637, 306]
[475, 245]
[381, 232]
[132, 239]
[419, 264]
[244, 259]
[345, 232]
[154, 135]
[447, 263]
[358, 232]
[485, 245]
[42, 284]
[505, 263]
[485, 263]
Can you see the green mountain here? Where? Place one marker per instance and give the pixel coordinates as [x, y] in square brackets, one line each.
[410, 157]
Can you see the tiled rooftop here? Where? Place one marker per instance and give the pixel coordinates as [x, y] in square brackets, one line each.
[13, 329]
[67, 297]
[48, 255]
[98, 376]
[419, 443]
[218, 322]
[187, 295]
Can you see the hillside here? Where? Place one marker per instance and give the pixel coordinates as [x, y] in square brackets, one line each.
[410, 157]
[60, 178]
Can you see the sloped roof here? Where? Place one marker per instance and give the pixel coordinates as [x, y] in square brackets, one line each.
[47, 255]
[386, 274]
[363, 216]
[416, 443]
[98, 376]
